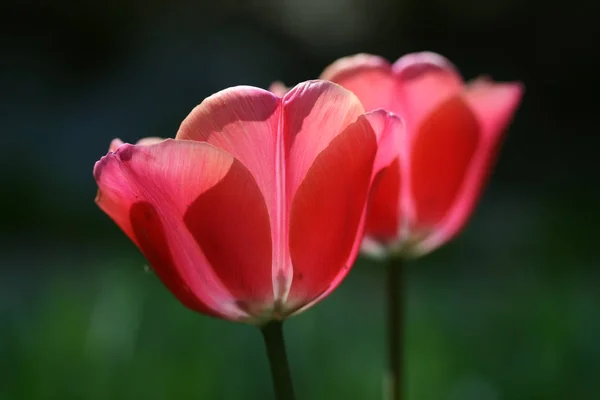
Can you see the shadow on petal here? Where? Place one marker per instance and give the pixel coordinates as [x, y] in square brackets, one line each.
[231, 225]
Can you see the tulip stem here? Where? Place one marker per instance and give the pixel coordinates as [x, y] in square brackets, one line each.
[280, 368]
[395, 322]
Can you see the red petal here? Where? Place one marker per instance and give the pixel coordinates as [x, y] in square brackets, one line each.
[147, 190]
[389, 131]
[383, 216]
[327, 210]
[425, 80]
[244, 122]
[383, 213]
[494, 105]
[369, 77]
[231, 225]
[151, 238]
[315, 112]
[440, 156]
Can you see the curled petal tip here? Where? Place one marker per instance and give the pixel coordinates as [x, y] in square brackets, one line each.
[389, 129]
[99, 165]
[115, 144]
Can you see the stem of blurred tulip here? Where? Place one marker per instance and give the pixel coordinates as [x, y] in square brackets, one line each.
[395, 306]
[280, 368]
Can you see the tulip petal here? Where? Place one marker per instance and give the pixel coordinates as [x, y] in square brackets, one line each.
[147, 141]
[389, 131]
[278, 88]
[369, 77]
[425, 80]
[327, 210]
[230, 223]
[494, 105]
[383, 211]
[153, 193]
[151, 238]
[116, 143]
[314, 113]
[442, 152]
[244, 122]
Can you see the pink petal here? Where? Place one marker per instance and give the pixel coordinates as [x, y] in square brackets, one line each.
[369, 77]
[245, 122]
[425, 80]
[231, 225]
[383, 213]
[115, 144]
[154, 193]
[278, 89]
[315, 113]
[494, 106]
[148, 232]
[147, 141]
[388, 130]
[441, 153]
[327, 211]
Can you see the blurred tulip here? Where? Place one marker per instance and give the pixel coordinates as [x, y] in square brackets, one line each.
[278, 88]
[453, 133]
[255, 211]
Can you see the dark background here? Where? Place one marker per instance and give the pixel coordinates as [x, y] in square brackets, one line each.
[509, 310]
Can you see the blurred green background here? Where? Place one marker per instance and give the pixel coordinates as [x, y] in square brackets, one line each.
[509, 310]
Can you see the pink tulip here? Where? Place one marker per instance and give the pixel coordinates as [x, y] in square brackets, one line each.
[453, 133]
[255, 211]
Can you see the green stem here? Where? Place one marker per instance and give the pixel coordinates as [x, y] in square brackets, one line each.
[280, 368]
[395, 326]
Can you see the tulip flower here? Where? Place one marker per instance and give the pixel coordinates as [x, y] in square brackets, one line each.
[452, 135]
[255, 211]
